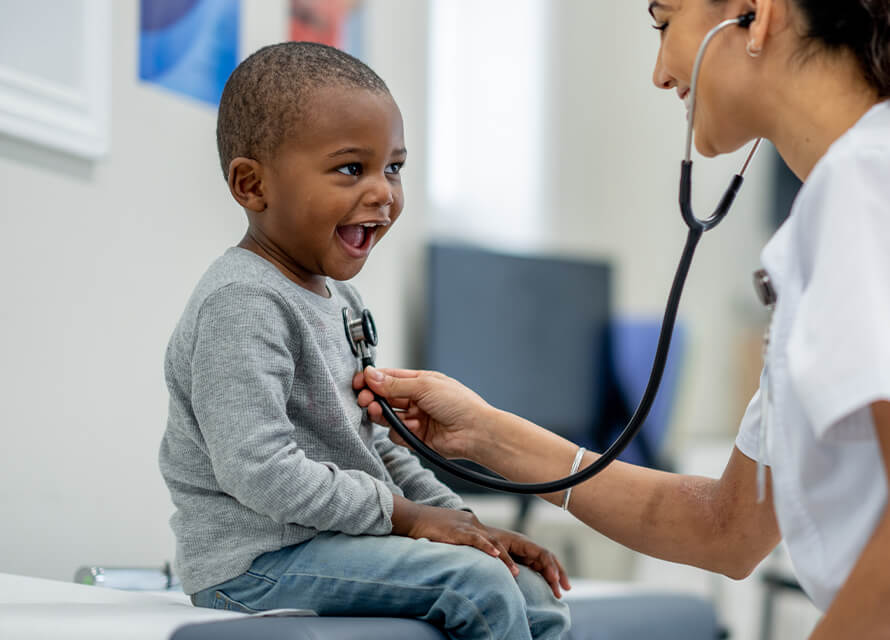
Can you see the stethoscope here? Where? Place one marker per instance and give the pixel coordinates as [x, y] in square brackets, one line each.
[362, 333]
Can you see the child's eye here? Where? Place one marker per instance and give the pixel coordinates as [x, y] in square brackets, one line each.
[351, 169]
[394, 168]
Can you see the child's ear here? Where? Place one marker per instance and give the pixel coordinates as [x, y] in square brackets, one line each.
[246, 184]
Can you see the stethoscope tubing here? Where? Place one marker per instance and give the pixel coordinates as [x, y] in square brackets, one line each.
[697, 227]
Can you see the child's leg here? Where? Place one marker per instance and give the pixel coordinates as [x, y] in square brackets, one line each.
[470, 595]
[548, 617]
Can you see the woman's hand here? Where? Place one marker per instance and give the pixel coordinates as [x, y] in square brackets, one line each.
[443, 413]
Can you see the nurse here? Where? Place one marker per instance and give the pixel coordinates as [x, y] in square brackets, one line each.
[812, 76]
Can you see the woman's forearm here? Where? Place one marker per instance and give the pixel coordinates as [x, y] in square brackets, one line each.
[708, 523]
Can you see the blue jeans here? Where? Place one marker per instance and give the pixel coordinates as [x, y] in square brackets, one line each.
[463, 591]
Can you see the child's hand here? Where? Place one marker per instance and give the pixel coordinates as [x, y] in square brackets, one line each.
[534, 557]
[451, 527]
[463, 528]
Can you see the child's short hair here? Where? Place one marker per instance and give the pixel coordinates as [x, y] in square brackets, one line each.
[263, 100]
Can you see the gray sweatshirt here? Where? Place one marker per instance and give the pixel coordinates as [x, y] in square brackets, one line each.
[265, 445]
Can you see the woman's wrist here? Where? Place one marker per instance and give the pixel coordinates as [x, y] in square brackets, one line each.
[520, 450]
[498, 437]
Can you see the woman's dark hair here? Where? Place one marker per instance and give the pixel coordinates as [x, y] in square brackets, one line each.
[863, 26]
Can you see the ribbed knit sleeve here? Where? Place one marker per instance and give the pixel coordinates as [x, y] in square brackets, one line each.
[242, 377]
[417, 483]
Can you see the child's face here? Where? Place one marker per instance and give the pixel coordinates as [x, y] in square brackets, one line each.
[334, 190]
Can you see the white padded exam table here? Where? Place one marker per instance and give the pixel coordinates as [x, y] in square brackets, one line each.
[39, 609]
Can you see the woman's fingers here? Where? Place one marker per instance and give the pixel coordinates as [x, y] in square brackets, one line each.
[400, 373]
[394, 383]
[365, 398]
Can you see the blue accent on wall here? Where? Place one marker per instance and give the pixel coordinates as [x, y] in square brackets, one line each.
[154, 16]
[189, 46]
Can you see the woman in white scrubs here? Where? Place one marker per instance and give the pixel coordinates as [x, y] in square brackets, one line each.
[812, 76]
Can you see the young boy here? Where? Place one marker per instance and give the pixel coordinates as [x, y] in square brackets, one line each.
[286, 494]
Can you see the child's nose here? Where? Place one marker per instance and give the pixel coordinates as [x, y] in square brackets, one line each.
[380, 192]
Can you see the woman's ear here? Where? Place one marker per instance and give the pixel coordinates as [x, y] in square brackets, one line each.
[771, 17]
[246, 184]
[759, 29]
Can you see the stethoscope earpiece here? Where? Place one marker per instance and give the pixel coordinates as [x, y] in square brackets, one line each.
[746, 20]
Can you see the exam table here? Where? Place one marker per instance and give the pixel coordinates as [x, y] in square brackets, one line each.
[38, 609]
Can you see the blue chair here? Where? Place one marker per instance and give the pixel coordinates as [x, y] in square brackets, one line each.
[632, 345]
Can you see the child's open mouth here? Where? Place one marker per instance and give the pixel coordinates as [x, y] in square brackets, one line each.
[358, 238]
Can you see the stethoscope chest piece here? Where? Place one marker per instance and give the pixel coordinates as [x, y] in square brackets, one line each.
[360, 332]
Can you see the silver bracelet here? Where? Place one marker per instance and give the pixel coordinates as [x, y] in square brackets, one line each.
[575, 465]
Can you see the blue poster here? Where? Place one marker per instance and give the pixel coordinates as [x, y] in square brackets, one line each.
[189, 46]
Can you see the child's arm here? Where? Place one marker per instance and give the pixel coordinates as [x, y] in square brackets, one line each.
[242, 374]
[416, 482]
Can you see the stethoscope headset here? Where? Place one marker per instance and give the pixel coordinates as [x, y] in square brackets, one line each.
[362, 333]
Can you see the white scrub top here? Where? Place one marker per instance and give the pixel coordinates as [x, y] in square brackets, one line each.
[829, 359]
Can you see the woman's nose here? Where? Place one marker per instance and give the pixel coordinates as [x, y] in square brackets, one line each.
[660, 77]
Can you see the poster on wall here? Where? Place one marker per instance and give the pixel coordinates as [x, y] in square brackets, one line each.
[337, 23]
[189, 46]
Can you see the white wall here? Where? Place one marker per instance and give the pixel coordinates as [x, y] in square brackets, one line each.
[98, 262]
[487, 124]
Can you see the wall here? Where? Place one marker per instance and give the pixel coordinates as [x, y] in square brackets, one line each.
[98, 262]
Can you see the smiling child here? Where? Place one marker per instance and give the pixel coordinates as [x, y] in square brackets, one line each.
[286, 495]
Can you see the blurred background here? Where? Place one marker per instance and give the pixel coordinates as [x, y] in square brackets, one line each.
[533, 259]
